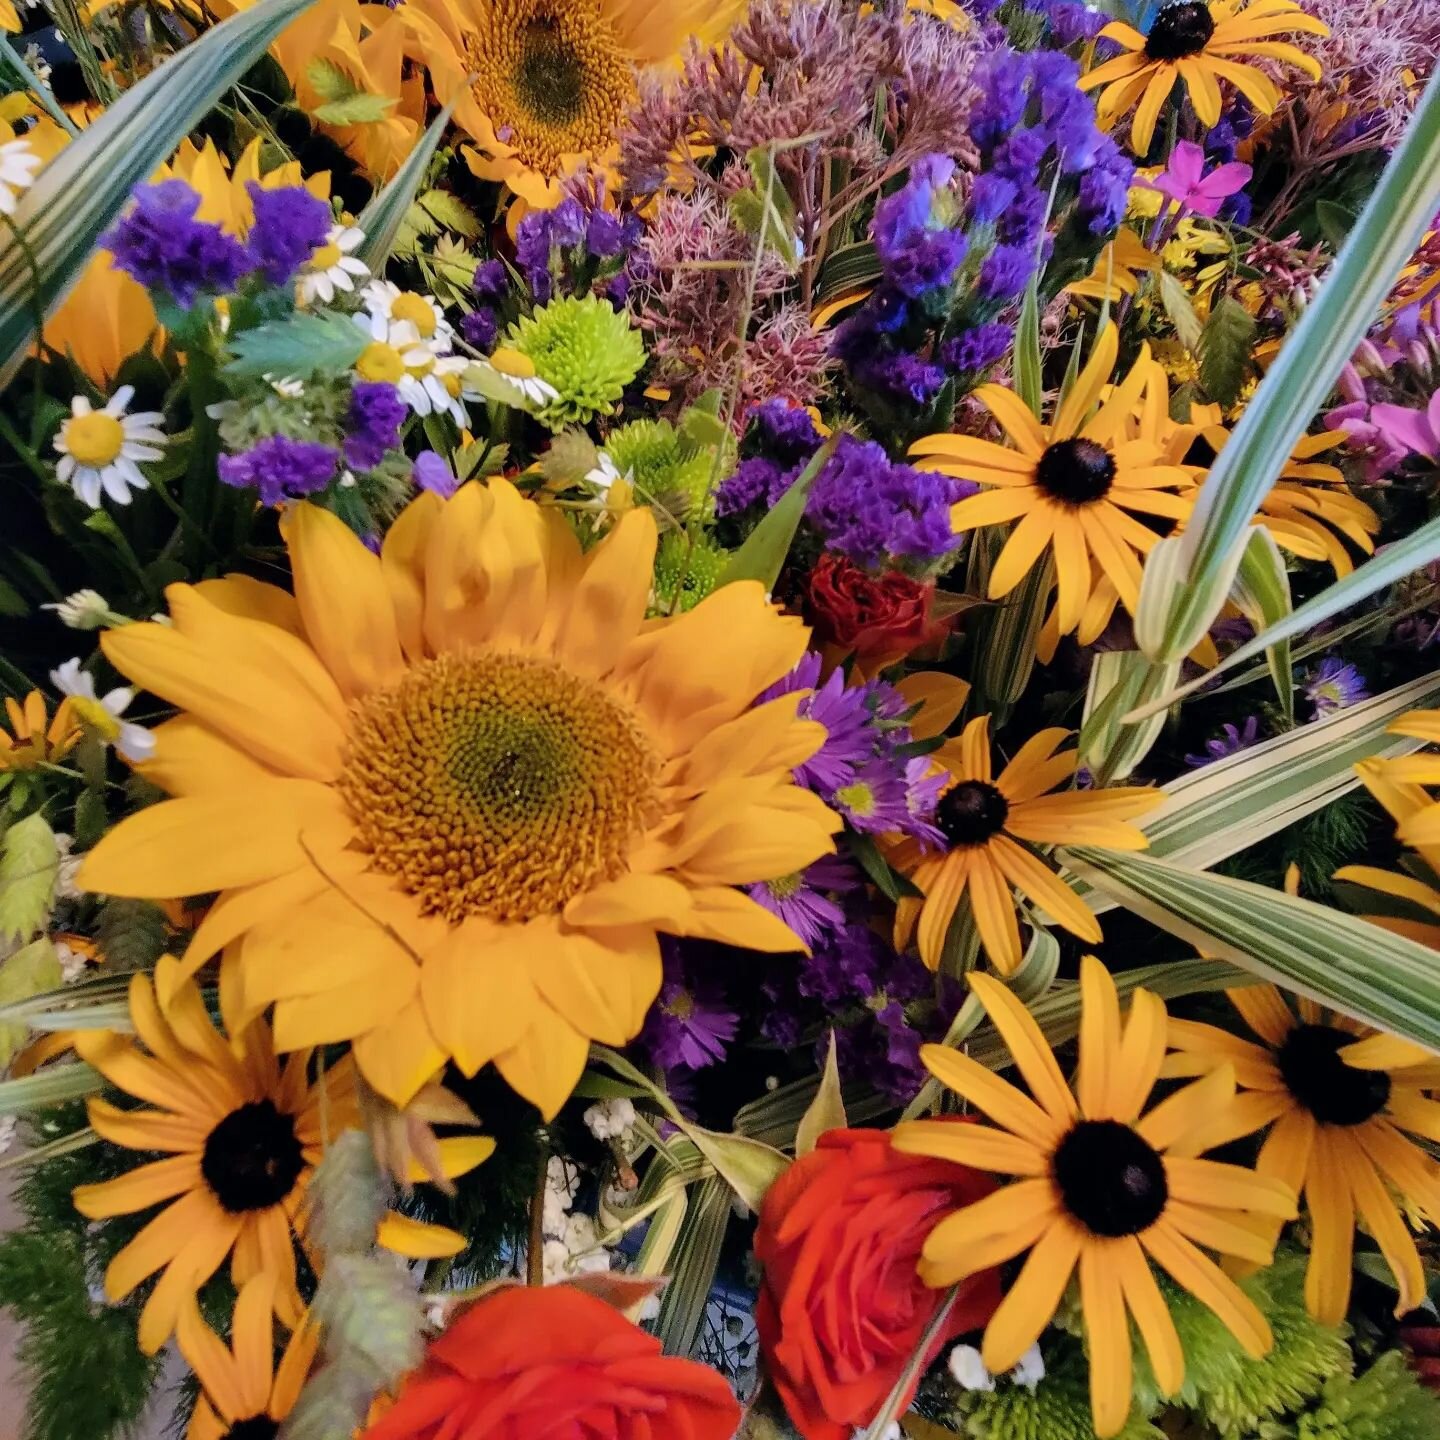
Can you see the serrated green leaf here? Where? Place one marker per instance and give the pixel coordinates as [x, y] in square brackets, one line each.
[361, 109]
[79, 194]
[331, 82]
[767, 213]
[451, 212]
[29, 867]
[29, 971]
[382, 217]
[301, 345]
[1188, 326]
[1225, 350]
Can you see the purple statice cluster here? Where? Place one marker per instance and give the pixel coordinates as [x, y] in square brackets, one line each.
[490, 286]
[579, 247]
[160, 243]
[862, 504]
[373, 423]
[281, 468]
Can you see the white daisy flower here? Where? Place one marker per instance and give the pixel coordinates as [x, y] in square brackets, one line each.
[385, 298]
[397, 354]
[18, 164]
[332, 267]
[101, 713]
[99, 448]
[509, 378]
[604, 474]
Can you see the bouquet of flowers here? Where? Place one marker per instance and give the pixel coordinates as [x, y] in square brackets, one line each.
[717, 718]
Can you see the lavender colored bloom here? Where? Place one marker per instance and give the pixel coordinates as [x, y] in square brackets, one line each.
[1073, 24]
[990, 196]
[841, 709]
[1005, 272]
[373, 425]
[691, 1023]
[606, 235]
[802, 900]
[876, 800]
[290, 224]
[491, 281]
[977, 349]
[479, 328]
[432, 472]
[1230, 741]
[918, 251]
[922, 795]
[1334, 685]
[1105, 188]
[783, 432]
[281, 468]
[161, 244]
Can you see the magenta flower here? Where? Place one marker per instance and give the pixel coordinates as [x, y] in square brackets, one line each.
[1416, 432]
[1186, 183]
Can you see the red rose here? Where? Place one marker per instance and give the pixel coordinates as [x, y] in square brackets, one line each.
[526, 1363]
[842, 1308]
[878, 617]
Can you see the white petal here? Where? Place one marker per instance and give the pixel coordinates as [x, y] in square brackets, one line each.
[117, 701]
[119, 400]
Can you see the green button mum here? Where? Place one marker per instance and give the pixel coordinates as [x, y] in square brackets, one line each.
[586, 350]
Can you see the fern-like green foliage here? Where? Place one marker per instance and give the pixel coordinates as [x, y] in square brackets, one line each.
[1225, 346]
[131, 934]
[1385, 1403]
[29, 866]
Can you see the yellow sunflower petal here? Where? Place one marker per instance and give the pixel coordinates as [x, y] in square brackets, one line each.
[1264, 1010]
[943, 895]
[1099, 1039]
[1330, 1201]
[417, 1240]
[720, 913]
[1047, 890]
[1015, 417]
[1030, 1303]
[1022, 550]
[402, 566]
[401, 1056]
[1107, 1335]
[1032, 1056]
[191, 759]
[1085, 393]
[611, 596]
[1142, 1051]
[1382, 1219]
[1193, 1271]
[1152, 1316]
[1177, 1115]
[214, 1366]
[1142, 127]
[547, 1064]
[1000, 1100]
[252, 1343]
[993, 907]
[979, 1146]
[604, 983]
[988, 1232]
[138, 1189]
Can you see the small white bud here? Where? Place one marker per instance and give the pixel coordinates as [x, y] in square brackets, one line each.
[968, 1369]
[1029, 1369]
[84, 610]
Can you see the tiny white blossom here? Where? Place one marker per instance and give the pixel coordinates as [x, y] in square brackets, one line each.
[101, 713]
[84, 610]
[35, 62]
[968, 1369]
[1029, 1369]
[605, 473]
[610, 1119]
[332, 267]
[7, 1132]
[18, 164]
[72, 962]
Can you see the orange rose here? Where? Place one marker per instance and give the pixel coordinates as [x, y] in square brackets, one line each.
[842, 1309]
[525, 1364]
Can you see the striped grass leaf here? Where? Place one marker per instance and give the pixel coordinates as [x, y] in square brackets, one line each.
[1262, 591]
[78, 195]
[382, 218]
[55, 1085]
[1006, 631]
[1119, 681]
[693, 1263]
[1188, 576]
[1028, 383]
[1231, 804]
[775, 1117]
[1393, 563]
[1337, 959]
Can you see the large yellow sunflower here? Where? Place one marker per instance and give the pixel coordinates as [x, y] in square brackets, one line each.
[1202, 45]
[1342, 1102]
[552, 78]
[990, 827]
[450, 793]
[1100, 1187]
[1071, 484]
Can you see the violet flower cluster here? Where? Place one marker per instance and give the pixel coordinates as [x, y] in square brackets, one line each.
[580, 247]
[281, 468]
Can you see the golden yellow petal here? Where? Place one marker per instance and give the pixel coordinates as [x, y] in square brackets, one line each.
[1030, 1303]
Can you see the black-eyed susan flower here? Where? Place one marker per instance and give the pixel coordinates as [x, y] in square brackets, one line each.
[1074, 485]
[1202, 45]
[244, 1394]
[36, 737]
[449, 794]
[991, 824]
[1343, 1104]
[241, 1135]
[1102, 1186]
[1399, 784]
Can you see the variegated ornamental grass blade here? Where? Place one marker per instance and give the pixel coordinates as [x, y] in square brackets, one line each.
[382, 217]
[1340, 960]
[1187, 576]
[1227, 806]
[78, 195]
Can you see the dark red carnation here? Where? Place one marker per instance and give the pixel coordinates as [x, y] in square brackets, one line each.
[878, 618]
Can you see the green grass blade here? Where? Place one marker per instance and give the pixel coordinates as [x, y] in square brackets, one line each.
[382, 217]
[78, 195]
[1177, 603]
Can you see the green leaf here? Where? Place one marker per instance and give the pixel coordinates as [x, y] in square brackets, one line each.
[767, 213]
[382, 217]
[1188, 325]
[763, 553]
[301, 345]
[692, 1271]
[1119, 681]
[827, 1110]
[451, 212]
[27, 972]
[1342, 961]
[1262, 591]
[1335, 221]
[1006, 631]
[54, 1085]
[1225, 345]
[846, 270]
[79, 194]
[29, 867]
[889, 881]
[359, 109]
[331, 82]
[1182, 594]
[1028, 383]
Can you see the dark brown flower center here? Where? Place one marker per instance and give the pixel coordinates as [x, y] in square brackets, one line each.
[1180, 30]
[971, 812]
[1332, 1091]
[254, 1427]
[252, 1158]
[1075, 472]
[1110, 1179]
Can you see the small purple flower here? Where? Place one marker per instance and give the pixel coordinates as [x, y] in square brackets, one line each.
[841, 709]
[802, 900]
[491, 281]
[990, 197]
[1005, 272]
[1334, 685]
[1184, 180]
[977, 349]
[432, 472]
[1230, 741]
[1071, 24]
[290, 224]
[480, 327]
[281, 468]
[373, 424]
[875, 800]
[918, 250]
[691, 1023]
[161, 244]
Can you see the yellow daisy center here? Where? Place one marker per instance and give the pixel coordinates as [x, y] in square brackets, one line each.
[451, 382]
[94, 440]
[1075, 472]
[497, 785]
[1179, 31]
[325, 257]
[379, 361]
[417, 310]
[513, 363]
[93, 714]
[551, 76]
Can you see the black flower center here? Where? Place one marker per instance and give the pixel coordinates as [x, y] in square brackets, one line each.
[1201, 452]
[1110, 1179]
[252, 1158]
[1180, 30]
[1332, 1091]
[550, 77]
[255, 1427]
[971, 812]
[1075, 472]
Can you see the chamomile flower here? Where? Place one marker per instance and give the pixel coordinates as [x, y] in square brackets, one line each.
[99, 448]
[332, 267]
[18, 164]
[101, 713]
[509, 378]
[399, 355]
[383, 297]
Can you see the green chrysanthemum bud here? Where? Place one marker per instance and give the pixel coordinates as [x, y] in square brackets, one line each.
[1387, 1402]
[586, 350]
[694, 567]
[651, 452]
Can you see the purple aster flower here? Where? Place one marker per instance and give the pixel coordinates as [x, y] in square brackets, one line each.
[923, 790]
[281, 468]
[161, 244]
[290, 224]
[977, 349]
[373, 424]
[432, 472]
[691, 1023]
[606, 235]
[802, 900]
[1005, 272]
[1105, 189]
[841, 710]
[875, 800]
[1333, 685]
[1230, 741]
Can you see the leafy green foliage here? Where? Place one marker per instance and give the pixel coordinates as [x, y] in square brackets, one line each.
[344, 102]
[29, 971]
[1385, 1403]
[1225, 345]
[132, 934]
[300, 346]
[29, 866]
